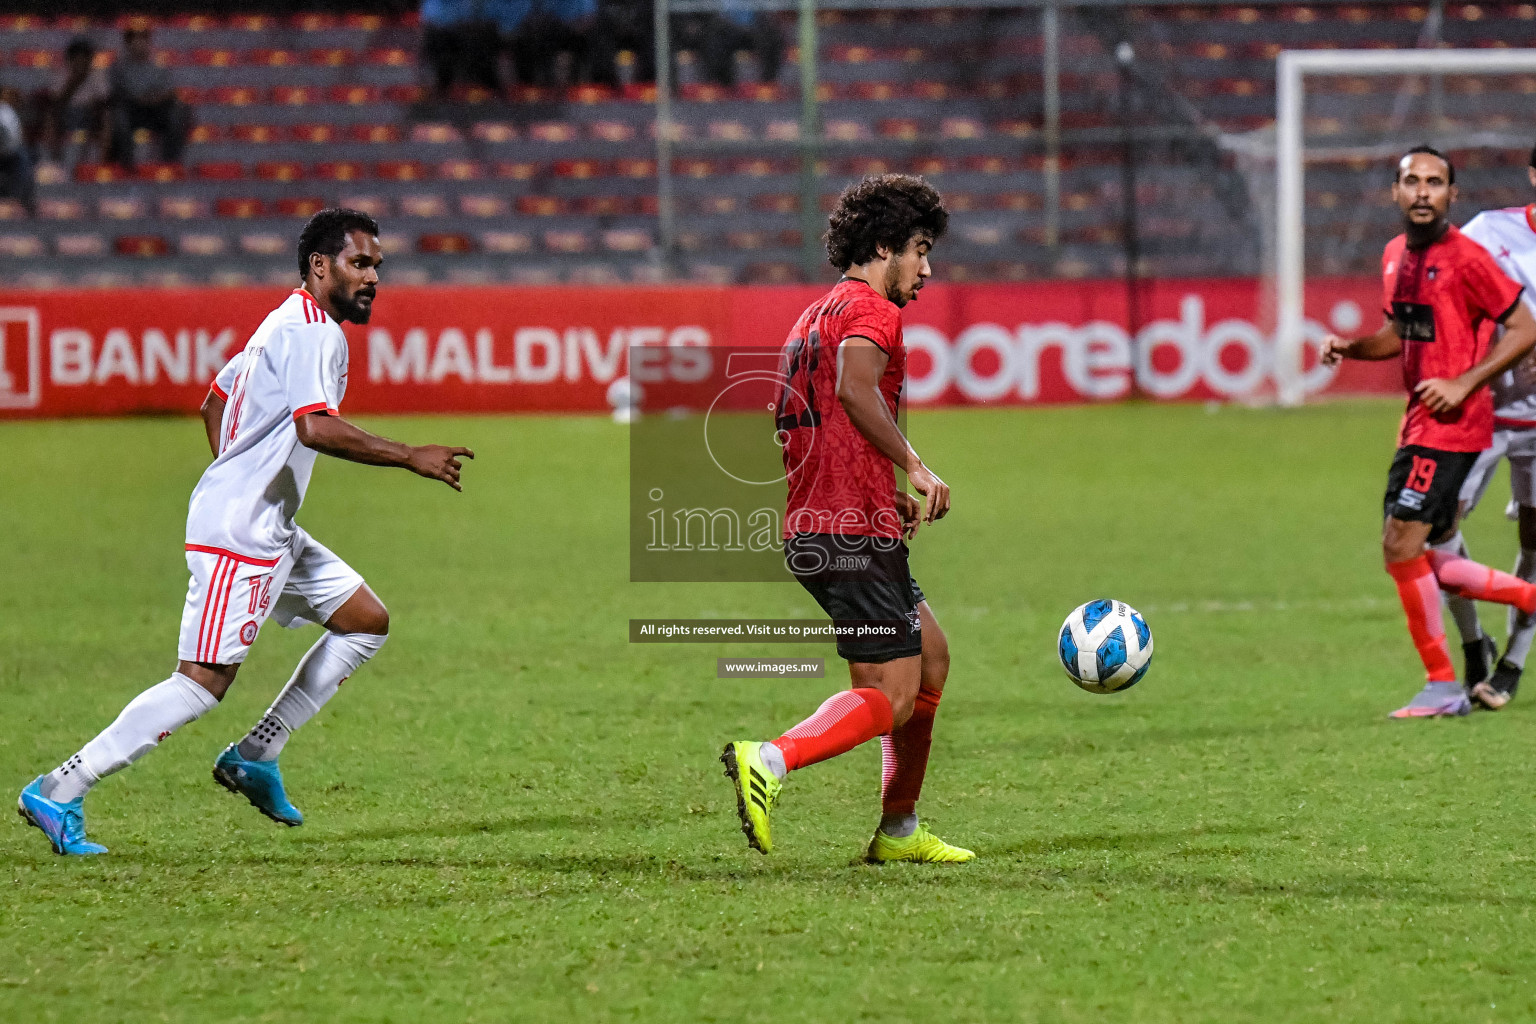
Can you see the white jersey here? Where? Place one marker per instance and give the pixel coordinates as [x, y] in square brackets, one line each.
[295, 363]
[1509, 235]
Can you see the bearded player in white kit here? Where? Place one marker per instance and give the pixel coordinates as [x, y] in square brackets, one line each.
[1509, 235]
[269, 411]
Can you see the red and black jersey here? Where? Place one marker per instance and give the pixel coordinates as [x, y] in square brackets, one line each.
[838, 481]
[1444, 301]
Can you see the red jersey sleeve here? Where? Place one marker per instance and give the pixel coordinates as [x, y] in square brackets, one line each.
[876, 320]
[1489, 289]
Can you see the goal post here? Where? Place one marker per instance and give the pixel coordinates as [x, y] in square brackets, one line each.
[1291, 70]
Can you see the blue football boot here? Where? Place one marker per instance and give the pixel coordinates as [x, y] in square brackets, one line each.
[63, 824]
[259, 782]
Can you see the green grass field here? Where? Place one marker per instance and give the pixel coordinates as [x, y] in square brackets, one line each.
[515, 815]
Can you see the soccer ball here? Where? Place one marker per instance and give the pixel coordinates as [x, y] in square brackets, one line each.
[1105, 646]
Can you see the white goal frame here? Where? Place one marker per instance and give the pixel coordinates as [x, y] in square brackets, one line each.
[1291, 69]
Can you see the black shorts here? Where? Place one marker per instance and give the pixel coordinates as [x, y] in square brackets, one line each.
[861, 580]
[1424, 485]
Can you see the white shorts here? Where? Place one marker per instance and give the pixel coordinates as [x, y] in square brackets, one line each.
[231, 595]
[1519, 447]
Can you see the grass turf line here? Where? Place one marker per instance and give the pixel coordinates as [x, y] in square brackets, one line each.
[513, 814]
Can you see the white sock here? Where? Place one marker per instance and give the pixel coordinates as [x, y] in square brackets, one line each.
[320, 674]
[773, 758]
[1463, 609]
[149, 718]
[1521, 628]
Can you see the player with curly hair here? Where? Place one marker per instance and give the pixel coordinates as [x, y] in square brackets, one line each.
[846, 524]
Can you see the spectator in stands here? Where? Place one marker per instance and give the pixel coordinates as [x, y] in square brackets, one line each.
[74, 105]
[623, 43]
[551, 49]
[143, 96]
[16, 181]
[459, 43]
[743, 46]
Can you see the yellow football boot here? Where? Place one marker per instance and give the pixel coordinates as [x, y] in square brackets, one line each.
[921, 847]
[757, 790]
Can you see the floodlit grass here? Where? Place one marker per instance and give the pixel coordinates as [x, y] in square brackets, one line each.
[515, 815]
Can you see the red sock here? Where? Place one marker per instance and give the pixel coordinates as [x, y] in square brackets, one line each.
[841, 723]
[1466, 578]
[1417, 589]
[904, 756]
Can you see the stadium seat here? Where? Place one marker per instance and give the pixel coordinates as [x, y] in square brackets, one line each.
[605, 206]
[330, 57]
[202, 134]
[272, 58]
[444, 242]
[423, 205]
[905, 128]
[182, 208]
[776, 203]
[295, 95]
[239, 208]
[494, 132]
[635, 168]
[20, 245]
[540, 206]
[213, 57]
[341, 170]
[553, 131]
[201, 244]
[460, 170]
[567, 241]
[400, 170]
[354, 95]
[627, 240]
[578, 169]
[374, 206]
[99, 174]
[717, 206]
[50, 208]
[300, 206]
[435, 133]
[374, 133]
[253, 134]
[141, 246]
[319, 134]
[484, 206]
[506, 242]
[231, 96]
[265, 243]
[84, 244]
[962, 128]
[280, 170]
[121, 208]
[517, 170]
[611, 131]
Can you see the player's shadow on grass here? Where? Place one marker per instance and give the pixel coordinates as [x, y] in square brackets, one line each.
[1127, 841]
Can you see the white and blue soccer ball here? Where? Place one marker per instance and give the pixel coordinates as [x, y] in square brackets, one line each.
[1105, 646]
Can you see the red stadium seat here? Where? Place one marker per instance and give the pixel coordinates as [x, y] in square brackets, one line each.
[374, 133]
[1017, 201]
[517, 170]
[192, 22]
[579, 169]
[760, 92]
[877, 91]
[300, 206]
[770, 273]
[729, 131]
[295, 95]
[233, 95]
[403, 93]
[204, 133]
[460, 170]
[649, 206]
[775, 203]
[589, 94]
[373, 206]
[280, 170]
[269, 58]
[312, 22]
[930, 165]
[141, 246]
[445, 242]
[605, 206]
[354, 95]
[160, 172]
[761, 167]
[341, 170]
[717, 206]
[540, 206]
[691, 167]
[400, 170]
[639, 92]
[747, 240]
[704, 92]
[239, 208]
[99, 173]
[423, 205]
[365, 22]
[863, 165]
[320, 134]
[962, 128]
[389, 56]
[214, 57]
[253, 133]
[253, 23]
[631, 167]
[986, 164]
[931, 91]
[899, 128]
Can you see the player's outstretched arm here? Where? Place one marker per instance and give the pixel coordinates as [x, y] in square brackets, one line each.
[332, 435]
[860, 364]
[1518, 338]
[213, 420]
[1384, 344]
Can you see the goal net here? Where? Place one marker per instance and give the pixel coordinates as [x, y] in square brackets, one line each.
[1342, 119]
